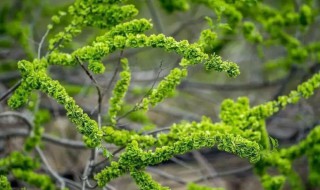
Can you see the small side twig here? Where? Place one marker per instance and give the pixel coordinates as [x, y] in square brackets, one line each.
[94, 152]
[285, 81]
[71, 183]
[18, 115]
[154, 15]
[67, 143]
[226, 173]
[9, 76]
[167, 175]
[136, 107]
[230, 87]
[50, 170]
[114, 73]
[209, 170]
[156, 131]
[182, 163]
[13, 88]
[44, 160]
[100, 164]
[41, 42]
[107, 90]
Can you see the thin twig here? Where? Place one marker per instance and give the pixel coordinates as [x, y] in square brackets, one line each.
[13, 88]
[66, 143]
[136, 107]
[181, 163]
[106, 92]
[311, 71]
[156, 131]
[38, 150]
[72, 183]
[110, 187]
[30, 126]
[18, 115]
[229, 87]
[41, 42]
[9, 75]
[50, 170]
[114, 73]
[56, 45]
[45, 137]
[154, 15]
[285, 81]
[87, 72]
[104, 161]
[167, 175]
[85, 176]
[220, 174]
[186, 24]
[204, 164]
[177, 112]
[94, 152]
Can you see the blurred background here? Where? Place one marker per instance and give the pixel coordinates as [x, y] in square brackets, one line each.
[201, 93]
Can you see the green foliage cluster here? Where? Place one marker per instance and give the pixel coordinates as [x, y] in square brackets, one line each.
[12, 23]
[119, 91]
[242, 129]
[193, 186]
[145, 181]
[23, 167]
[264, 25]
[4, 183]
[32, 178]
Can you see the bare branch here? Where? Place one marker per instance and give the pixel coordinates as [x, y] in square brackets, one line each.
[50, 170]
[114, 73]
[13, 88]
[41, 42]
[154, 15]
[219, 174]
[136, 107]
[204, 164]
[46, 137]
[18, 115]
[229, 87]
[167, 175]
[94, 152]
[9, 75]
